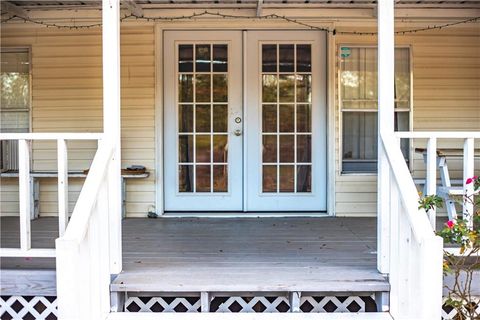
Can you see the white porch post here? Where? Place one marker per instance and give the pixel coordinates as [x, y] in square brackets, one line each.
[386, 50]
[111, 124]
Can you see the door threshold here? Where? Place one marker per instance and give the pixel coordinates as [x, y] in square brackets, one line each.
[241, 214]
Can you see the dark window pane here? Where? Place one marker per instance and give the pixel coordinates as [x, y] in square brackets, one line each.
[269, 58]
[269, 179]
[269, 118]
[287, 148]
[203, 178]
[304, 88]
[304, 58]
[185, 58]
[220, 148]
[220, 88]
[202, 58]
[269, 148]
[185, 118]
[185, 177]
[286, 84]
[202, 148]
[304, 122]
[286, 58]
[304, 148]
[185, 88]
[185, 146]
[287, 179]
[220, 178]
[287, 118]
[202, 88]
[202, 117]
[220, 58]
[269, 88]
[220, 118]
[304, 178]
[359, 142]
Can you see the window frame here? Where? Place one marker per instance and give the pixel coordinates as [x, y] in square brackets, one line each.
[340, 104]
[28, 49]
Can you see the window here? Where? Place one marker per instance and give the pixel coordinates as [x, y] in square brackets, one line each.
[359, 104]
[15, 102]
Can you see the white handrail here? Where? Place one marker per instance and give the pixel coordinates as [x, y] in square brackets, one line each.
[408, 192]
[78, 224]
[415, 251]
[438, 134]
[51, 136]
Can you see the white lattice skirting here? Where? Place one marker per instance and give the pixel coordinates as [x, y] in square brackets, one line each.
[28, 308]
[251, 304]
[448, 313]
[45, 308]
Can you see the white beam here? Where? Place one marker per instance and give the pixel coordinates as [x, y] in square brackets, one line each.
[111, 124]
[259, 8]
[133, 7]
[386, 50]
[14, 10]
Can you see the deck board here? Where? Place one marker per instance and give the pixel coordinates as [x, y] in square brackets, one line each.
[235, 254]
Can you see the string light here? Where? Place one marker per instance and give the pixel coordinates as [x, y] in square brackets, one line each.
[232, 16]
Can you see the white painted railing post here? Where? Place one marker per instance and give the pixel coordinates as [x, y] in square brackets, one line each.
[62, 159]
[468, 169]
[386, 50]
[24, 187]
[111, 124]
[431, 179]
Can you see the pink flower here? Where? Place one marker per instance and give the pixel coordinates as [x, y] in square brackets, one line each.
[450, 224]
[472, 179]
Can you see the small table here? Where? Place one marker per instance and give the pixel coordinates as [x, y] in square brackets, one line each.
[35, 185]
[446, 190]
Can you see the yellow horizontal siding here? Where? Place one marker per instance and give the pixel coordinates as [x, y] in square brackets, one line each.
[67, 97]
[446, 97]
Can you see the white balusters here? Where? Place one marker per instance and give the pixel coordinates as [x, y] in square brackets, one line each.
[431, 180]
[62, 186]
[24, 188]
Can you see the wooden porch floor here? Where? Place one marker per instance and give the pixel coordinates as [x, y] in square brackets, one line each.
[225, 255]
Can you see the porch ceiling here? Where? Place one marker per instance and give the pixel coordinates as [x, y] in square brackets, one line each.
[157, 4]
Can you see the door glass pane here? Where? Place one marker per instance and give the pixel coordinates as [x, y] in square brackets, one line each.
[203, 117]
[287, 58]
[304, 58]
[286, 118]
[269, 58]
[220, 118]
[220, 178]
[287, 179]
[220, 58]
[269, 178]
[269, 118]
[202, 58]
[203, 178]
[185, 58]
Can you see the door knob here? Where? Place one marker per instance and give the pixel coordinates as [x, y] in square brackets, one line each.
[237, 132]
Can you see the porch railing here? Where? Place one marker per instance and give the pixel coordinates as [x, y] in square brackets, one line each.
[83, 252]
[25, 186]
[432, 163]
[415, 251]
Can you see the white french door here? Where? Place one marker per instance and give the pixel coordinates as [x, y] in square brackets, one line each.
[258, 110]
[203, 121]
[286, 121]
